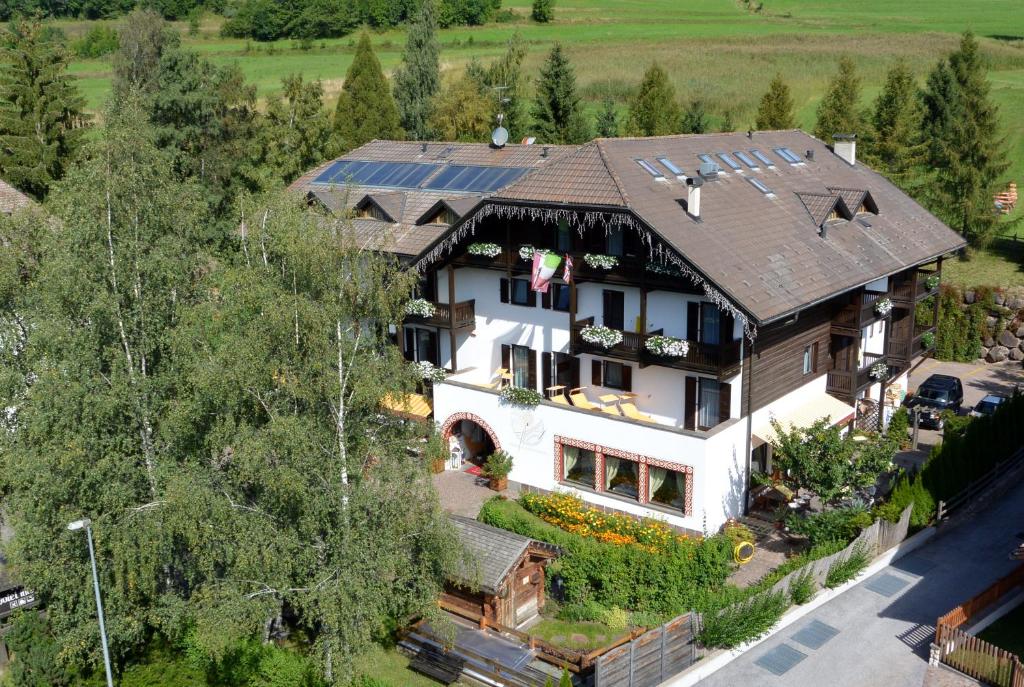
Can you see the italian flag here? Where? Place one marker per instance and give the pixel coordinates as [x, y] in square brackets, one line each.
[544, 266]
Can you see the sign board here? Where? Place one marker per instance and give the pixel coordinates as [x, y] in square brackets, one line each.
[14, 598]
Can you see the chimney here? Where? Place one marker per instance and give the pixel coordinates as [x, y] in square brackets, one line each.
[845, 146]
[693, 185]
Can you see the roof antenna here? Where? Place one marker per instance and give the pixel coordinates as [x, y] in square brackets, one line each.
[499, 137]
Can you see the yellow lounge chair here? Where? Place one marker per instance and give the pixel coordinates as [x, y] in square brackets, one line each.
[581, 401]
[611, 409]
[559, 399]
[630, 410]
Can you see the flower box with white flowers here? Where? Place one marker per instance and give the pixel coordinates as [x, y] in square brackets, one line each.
[667, 346]
[419, 307]
[599, 335]
[879, 370]
[430, 372]
[527, 252]
[883, 307]
[601, 262]
[484, 250]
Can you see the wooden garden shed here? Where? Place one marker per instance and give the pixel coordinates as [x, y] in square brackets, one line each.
[505, 581]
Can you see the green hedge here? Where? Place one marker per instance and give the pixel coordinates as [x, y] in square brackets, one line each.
[685, 576]
[744, 621]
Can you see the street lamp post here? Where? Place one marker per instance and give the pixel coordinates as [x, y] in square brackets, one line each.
[86, 524]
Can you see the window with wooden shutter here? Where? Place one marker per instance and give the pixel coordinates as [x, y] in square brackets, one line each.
[531, 296]
[531, 375]
[693, 321]
[410, 343]
[545, 299]
[595, 372]
[724, 401]
[725, 327]
[504, 290]
[614, 309]
[506, 357]
[627, 378]
[545, 371]
[690, 404]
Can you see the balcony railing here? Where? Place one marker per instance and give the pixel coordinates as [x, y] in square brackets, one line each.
[447, 316]
[923, 291]
[904, 292]
[849, 382]
[701, 357]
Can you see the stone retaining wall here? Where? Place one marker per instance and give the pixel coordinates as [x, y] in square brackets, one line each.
[1003, 338]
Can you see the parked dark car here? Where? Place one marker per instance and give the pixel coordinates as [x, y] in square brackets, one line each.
[936, 395]
[988, 405]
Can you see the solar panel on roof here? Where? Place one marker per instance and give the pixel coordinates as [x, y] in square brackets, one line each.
[729, 161]
[386, 174]
[765, 160]
[788, 155]
[474, 178]
[746, 159]
[650, 169]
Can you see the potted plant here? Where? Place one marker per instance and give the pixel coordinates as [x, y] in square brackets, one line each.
[496, 469]
[436, 452]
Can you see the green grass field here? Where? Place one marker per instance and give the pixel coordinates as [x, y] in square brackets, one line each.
[1007, 632]
[713, 49]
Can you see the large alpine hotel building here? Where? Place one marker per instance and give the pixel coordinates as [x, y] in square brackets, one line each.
[790, 270]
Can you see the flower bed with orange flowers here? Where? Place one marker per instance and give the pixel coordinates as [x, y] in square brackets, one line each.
[572, 515]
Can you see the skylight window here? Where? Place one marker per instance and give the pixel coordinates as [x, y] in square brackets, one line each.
[747, 160]
[671, 166]
[651, 169]
[760, 186]
[729, 161]
[765, 160]
[788, 155]
[704, 157]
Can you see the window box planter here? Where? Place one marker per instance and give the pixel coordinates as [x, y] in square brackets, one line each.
[486, 250]
[418, 307]
[883, 307]
[603, 262]
[518, 396]
[600, 335]
[667, 346]
[526, 252]
[879, 370]
[932, 282]
[430, 372]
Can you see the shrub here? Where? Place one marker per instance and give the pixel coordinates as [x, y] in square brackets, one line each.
[841, 524]
[801, 589]
[845, 569]
[737, 532]
[498, 465]
[899, 425]
[616, 618]
[543, 11]
[587, 612]
[97, 42]
[744, 621]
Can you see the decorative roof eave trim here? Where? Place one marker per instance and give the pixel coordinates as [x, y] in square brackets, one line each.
[581, 217]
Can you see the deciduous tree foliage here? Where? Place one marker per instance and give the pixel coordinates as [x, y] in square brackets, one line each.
[505, 85]
[365, 109]
[839, 110]
[41, 110]
[654, 111]
[964, 147]
[418, 78]
[542, 11]
[144, 38]
[558, 114]
[295, 134]
[462, 112]
[775, 111]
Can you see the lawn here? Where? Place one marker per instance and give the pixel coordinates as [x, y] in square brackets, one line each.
[1007, 632]
[1002, 265]
[391, 667]
[575, 635]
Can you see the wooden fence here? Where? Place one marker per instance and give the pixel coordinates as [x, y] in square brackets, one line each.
[651, 658]
[973, 656]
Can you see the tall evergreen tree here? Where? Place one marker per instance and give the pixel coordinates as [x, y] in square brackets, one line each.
[965, 148]
[418, 78]
[839, 111]
[695, 118]
[41, 110]
[608, 119]
[558, 111]
[366, 110]
[895, 145]
[775, 110]
[654, 111]
[505, 84]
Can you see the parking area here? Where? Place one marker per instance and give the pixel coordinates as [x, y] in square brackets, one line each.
[978, 379]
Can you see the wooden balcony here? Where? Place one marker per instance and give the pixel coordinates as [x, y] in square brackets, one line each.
[446, 316]
[922, 291]
[716, 359]
[848, 383]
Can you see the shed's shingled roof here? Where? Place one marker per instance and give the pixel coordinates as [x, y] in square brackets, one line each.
[12, 199]
[494, 551]
[407, 206]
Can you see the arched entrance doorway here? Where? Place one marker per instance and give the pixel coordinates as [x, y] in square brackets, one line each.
[475, 436]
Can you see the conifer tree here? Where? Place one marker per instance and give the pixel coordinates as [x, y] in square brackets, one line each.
[418, 78]
[558, 112]
[505, 85]
[41, 110]
[654, 111]
[895, 143]
[838, 112]
[965, 148]
[776, 108]
[366, 110]
[695, 118]
[543, 11]
[608, 119]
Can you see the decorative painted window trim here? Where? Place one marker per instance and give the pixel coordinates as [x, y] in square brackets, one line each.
[644, 463]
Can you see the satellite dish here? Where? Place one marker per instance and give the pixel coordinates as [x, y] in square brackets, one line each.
[499, 137]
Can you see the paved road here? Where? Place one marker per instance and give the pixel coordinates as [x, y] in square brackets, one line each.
[883, 640]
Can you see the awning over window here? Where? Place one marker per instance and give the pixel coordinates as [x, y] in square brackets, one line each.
[818, 406]
[409, 406]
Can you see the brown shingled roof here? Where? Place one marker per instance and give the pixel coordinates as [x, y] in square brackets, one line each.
[12, 199]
